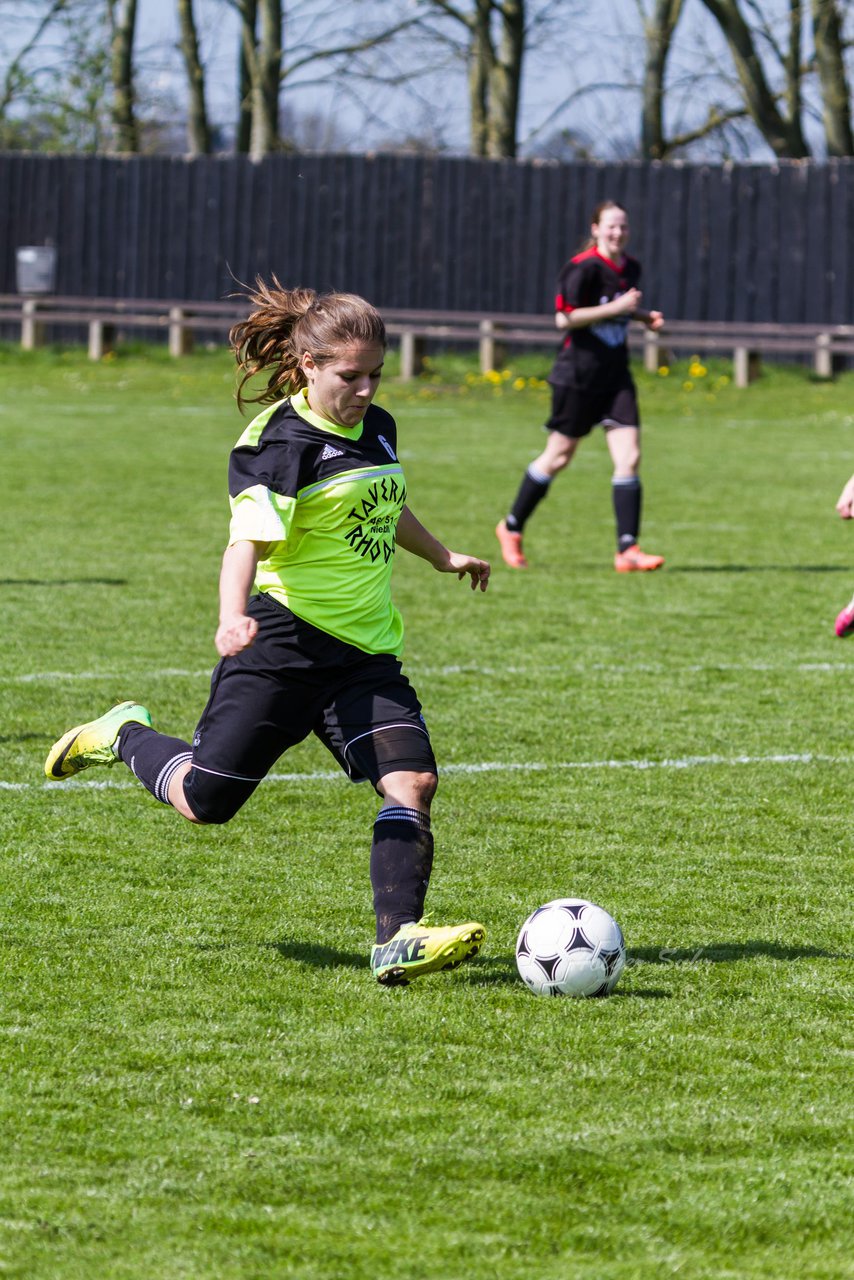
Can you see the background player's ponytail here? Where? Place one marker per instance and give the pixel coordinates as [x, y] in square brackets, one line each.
[286, 323]
[589, 241]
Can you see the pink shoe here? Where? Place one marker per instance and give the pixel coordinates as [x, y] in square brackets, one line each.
[633, 560]
[511, 546]
[845, 621]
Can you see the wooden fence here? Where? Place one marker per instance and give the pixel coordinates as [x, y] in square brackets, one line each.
[108, 321]
[746, 243]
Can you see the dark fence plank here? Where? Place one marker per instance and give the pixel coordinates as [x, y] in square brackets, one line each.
[743, 247]
[841, 264]
[765, 240]
[817, 265]
[720, 230]
[793, 227]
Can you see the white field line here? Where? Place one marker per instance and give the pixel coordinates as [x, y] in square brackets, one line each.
[484, 766]
[121, 677]
[126, 679]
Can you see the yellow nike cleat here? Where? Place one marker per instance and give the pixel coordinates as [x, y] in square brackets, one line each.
[92, 743]
[417, 949]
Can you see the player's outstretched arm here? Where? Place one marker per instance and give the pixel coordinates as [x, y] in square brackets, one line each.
[845, 505]
[625, 304]
[236, 630]
[412, 536]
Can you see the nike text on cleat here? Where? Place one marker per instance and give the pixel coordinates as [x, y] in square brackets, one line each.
[417, 949]
[633, 560]
[92, 743]
[845, 621]
[511, 546]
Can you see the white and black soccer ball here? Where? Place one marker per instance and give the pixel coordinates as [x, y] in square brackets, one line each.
[570, 947]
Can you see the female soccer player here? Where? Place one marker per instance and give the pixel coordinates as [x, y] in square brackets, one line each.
[591, 382]
[318, 508]
[845, 507]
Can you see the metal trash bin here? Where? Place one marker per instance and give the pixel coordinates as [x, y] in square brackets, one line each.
[36, 268]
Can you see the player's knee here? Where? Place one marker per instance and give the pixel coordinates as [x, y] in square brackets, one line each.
[412, 790]
[628, 466]
[217, 813]
[215, 820]
[424, 787]
[557, 456]
[213, 801]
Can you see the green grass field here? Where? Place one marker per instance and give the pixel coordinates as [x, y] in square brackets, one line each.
[200, 1081]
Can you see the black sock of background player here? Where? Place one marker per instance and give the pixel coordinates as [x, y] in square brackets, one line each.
[532, 490]
[401, 862]
[152, 757]
[626, 493]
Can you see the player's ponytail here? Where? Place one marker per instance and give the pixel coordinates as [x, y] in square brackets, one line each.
[286, 323]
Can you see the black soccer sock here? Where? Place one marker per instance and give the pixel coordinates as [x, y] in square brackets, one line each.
[152, 757]
[532, 490]
[401, 862]
[626, 492]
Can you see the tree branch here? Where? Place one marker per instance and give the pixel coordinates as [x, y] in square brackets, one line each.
[14, 76]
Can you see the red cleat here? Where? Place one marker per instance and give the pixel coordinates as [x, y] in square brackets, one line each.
[633, 560]
[511, 546]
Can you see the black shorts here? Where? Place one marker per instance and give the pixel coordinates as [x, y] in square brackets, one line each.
[296, 680]
[577, 410]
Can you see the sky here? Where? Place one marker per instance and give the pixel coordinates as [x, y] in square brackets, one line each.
[593, 61]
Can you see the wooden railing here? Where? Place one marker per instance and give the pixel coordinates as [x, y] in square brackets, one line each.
[106, 320]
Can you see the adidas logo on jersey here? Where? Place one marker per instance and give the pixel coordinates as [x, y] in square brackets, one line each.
[330, 452]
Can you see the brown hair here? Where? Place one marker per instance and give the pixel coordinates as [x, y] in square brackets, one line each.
[596, 218]
[286, 323]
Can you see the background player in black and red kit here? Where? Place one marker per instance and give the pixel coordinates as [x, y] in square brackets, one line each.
[598, 295]
[318, 507]
[845, 507]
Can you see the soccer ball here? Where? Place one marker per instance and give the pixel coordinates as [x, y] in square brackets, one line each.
[570, 947]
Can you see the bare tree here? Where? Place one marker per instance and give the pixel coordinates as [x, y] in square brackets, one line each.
[506, 79]
[17, 78]
[480, 64]
[713, 78]
[122, 16]
[782, 132]
[266, 64]
[261, 32]
[198, 128]
[830, 62]
[659, 27]
[55, 88]
[248, 21]
[495, 48]
[717, 76]
[328, 42]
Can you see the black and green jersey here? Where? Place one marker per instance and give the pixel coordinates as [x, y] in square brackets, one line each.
[327, 499]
